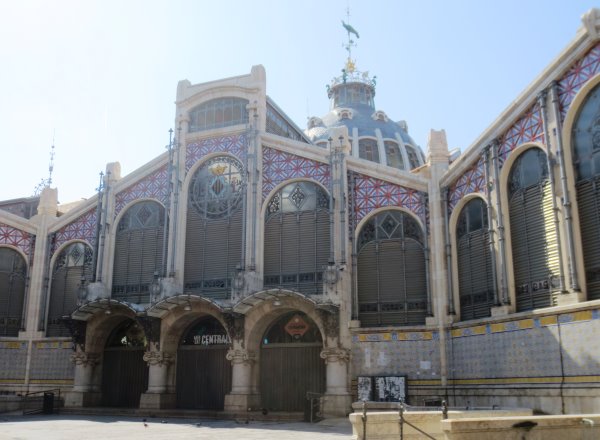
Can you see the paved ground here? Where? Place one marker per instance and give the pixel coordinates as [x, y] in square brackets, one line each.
[114, 428]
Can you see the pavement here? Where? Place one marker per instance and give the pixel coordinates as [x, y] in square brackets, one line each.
[65, 427]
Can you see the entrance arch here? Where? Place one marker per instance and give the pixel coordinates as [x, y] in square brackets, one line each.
[124, 372]
[203, 372]
[290, 362]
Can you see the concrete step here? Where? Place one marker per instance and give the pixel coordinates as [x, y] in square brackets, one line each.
[186, 413]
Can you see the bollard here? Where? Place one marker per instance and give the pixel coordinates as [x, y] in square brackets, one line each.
[444, 409]
[364, 420]
[401, 419]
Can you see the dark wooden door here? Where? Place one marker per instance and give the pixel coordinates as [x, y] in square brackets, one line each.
[124, 376]
[288, 372]
[203, 377]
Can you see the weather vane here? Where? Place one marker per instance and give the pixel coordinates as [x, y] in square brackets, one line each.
[350, 64]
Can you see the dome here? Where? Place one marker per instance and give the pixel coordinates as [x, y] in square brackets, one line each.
[373, 134]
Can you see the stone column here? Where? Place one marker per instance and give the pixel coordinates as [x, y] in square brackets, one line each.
[156, 397]
[83, 393]
[337, 399]
[241, 397]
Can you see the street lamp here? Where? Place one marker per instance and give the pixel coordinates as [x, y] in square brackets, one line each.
[155, 288]
[82, 290]
[331, 273]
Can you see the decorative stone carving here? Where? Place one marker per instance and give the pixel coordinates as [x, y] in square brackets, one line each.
[77, 330]
[85, 359]
[151, 328]
[335, 355]
[331, 321]
[159, 358]
[235, 326]
[245, 357]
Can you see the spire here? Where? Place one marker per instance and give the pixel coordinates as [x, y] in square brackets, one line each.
[350, 63]
[46, 183]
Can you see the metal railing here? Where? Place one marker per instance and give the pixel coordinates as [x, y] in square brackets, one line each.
[44, 402]
[314, 407]
[402, 408]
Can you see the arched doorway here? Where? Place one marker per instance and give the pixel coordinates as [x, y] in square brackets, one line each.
[124, 372]
[290, 363]
[203, 372]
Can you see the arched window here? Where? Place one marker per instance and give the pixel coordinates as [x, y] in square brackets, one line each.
[74, 264]
[475, 279]
[393, 155]
[367, 149]
[138, 251]
[585, 139]
[413, 157]
[297, 238]
[218, 113]
[214, 246]
[392, 287]
[13, 272]
[533, 234]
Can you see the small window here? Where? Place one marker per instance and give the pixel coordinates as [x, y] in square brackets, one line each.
[218, 113]
[393, 155]
[367, 149]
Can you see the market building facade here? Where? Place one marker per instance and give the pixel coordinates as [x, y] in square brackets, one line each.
[255, 262]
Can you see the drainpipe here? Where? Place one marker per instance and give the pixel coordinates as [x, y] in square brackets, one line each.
[488, 193]
[255, 178]
[167, 204]
[550, 163]
[332, 182]
[566, 200]
[448, 247]
[98, 228]
[354, 255]
[501, 239]
[103, 227]
[177, 187]
[46, 287]
[427, 261]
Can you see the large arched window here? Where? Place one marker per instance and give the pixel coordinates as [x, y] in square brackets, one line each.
[585, 139]
[475, 276]
[138, 251]
[74, 264]
[214, 245]
[296, 241]
[533, 234]
[13, 272]
[392, 287]
[218, 113]
[368, 149]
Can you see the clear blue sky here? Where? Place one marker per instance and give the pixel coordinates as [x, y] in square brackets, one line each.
[101, 76]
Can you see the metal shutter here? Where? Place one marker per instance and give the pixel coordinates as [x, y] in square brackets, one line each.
[475, 275]
[368, 286]
[12, 291]
[213, 249]
[588, 200]
[535, 249]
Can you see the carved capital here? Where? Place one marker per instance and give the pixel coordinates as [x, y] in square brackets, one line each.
[336, 355]
[85, 359]
[245, 357]
[159, 358]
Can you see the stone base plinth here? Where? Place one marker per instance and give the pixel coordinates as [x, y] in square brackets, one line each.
[336, 405]
[79, 399]
[565, 299]
[157, 401]
[241, 403]
[501, 311]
